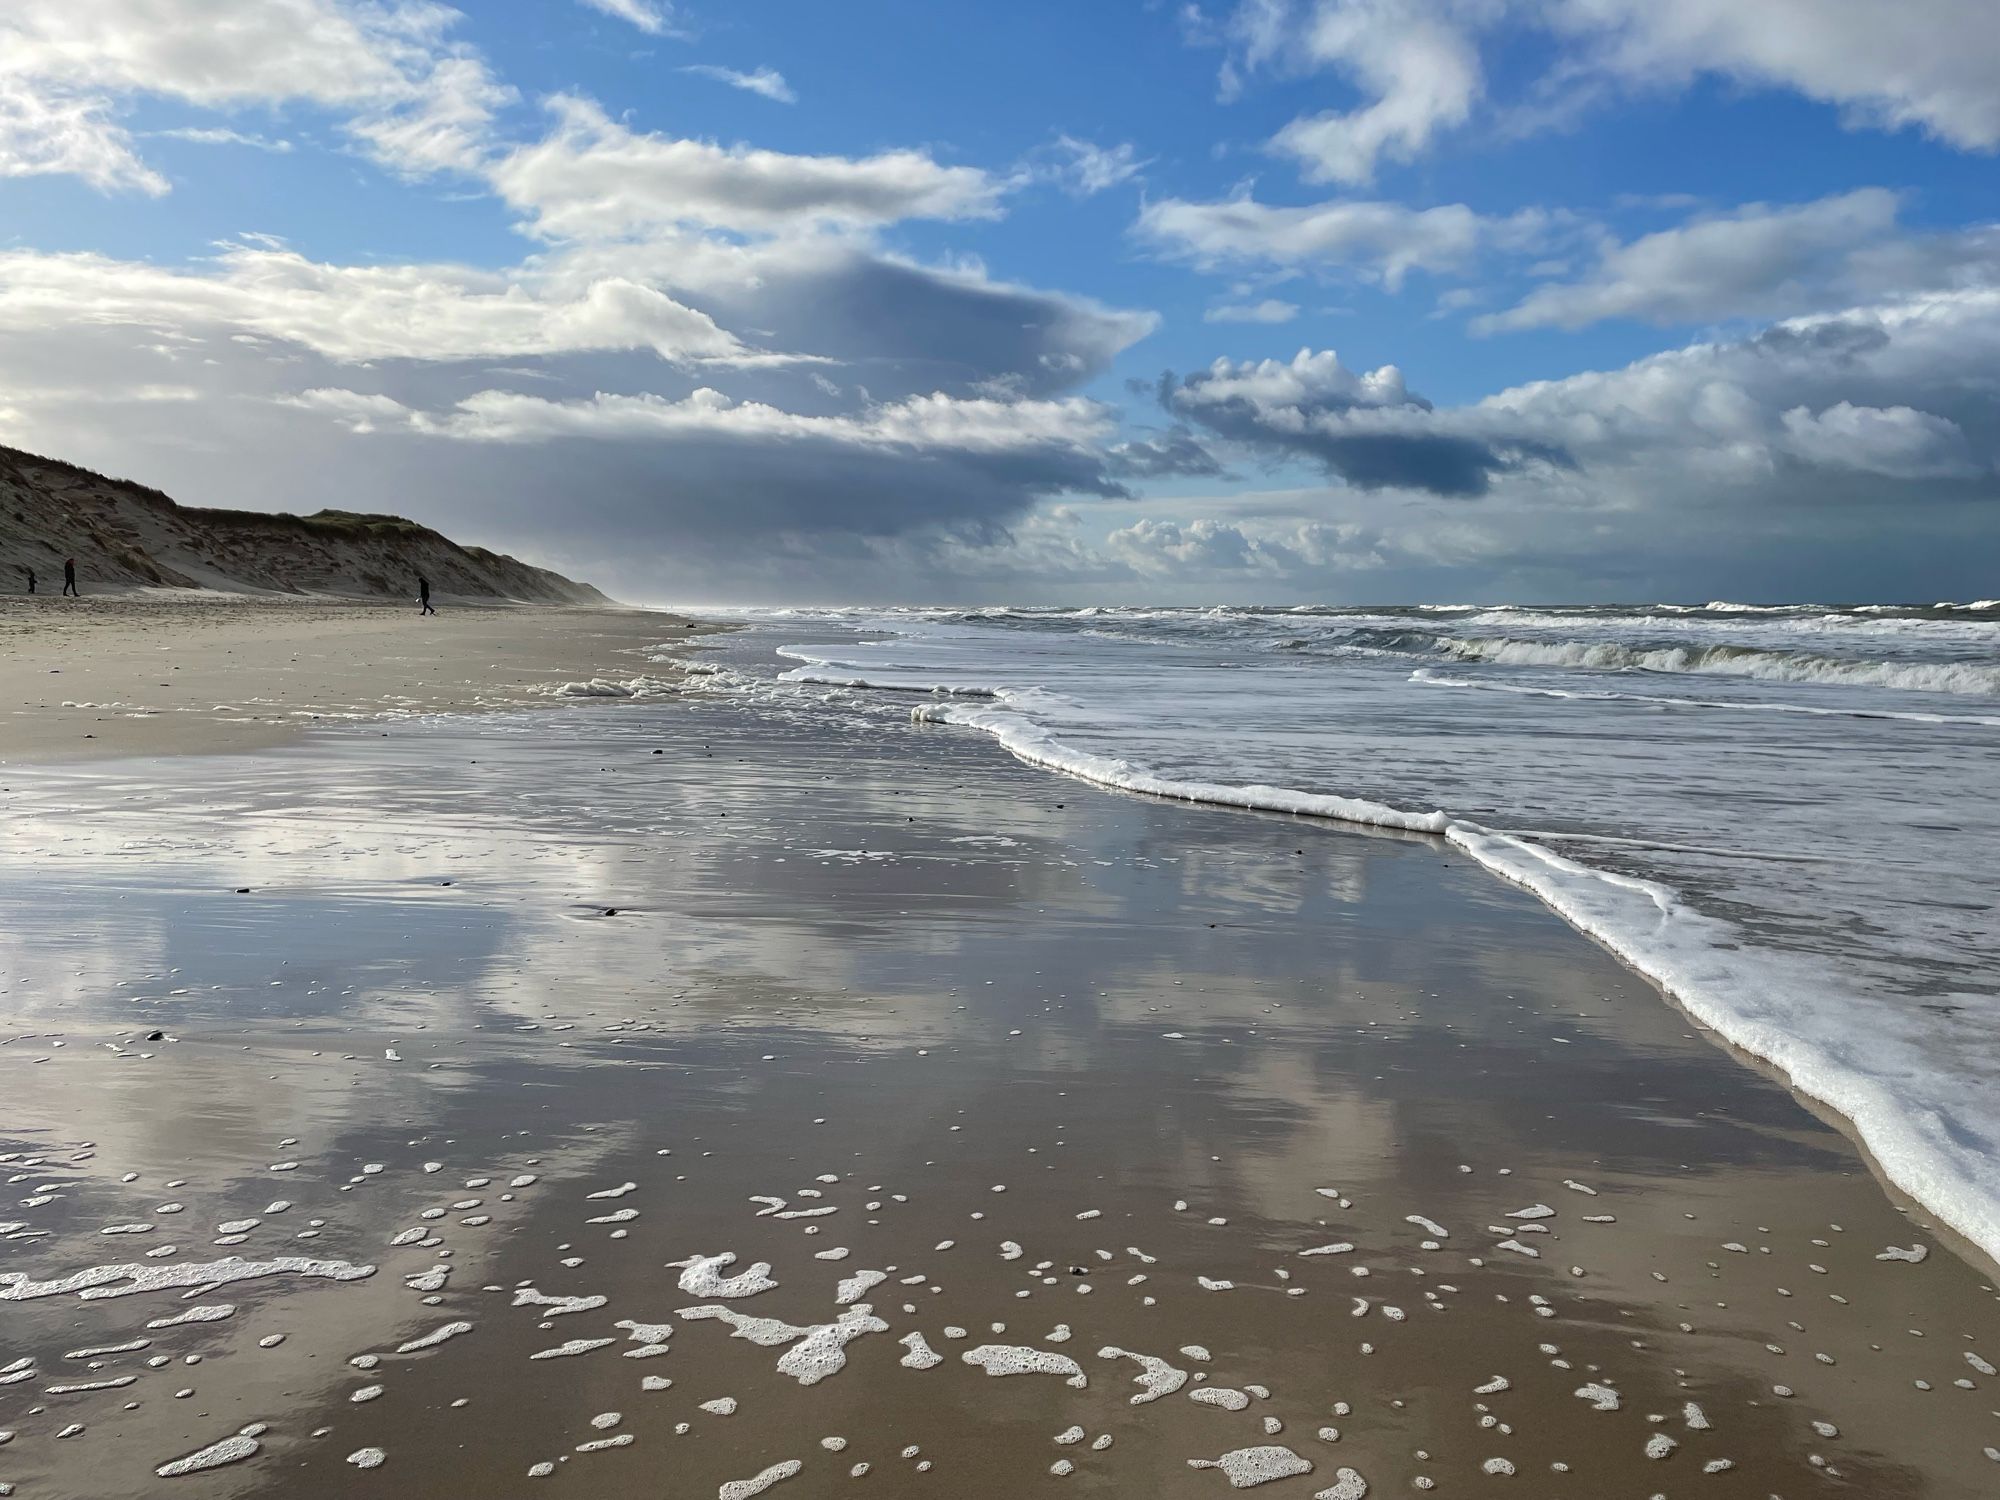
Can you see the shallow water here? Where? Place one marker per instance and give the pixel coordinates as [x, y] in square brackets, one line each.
[791, 965]
[1786, 816]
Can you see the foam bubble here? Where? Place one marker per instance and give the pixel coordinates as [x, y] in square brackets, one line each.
[571, 1348]
[230, 1450]
[853, 1288]
[1017, 1359]
[1248, 1467]
[1219, 1395]
[432, 1339]
[701, 1277]
[921, 1356]
[744, 1489]
[1156, 1378]
[132, 1280]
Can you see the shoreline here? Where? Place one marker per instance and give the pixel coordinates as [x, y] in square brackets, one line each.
[1587, 902]
[380, 662]
[624, 981]
[161, 672]
[1932, 1147]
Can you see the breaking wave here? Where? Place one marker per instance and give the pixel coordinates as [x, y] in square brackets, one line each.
[1976, 678]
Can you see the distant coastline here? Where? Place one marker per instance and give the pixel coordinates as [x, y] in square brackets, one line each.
[124, 535]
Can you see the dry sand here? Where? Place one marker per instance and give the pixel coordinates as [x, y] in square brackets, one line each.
[540, 1019]
[164, 671]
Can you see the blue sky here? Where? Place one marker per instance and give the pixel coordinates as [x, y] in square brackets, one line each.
[1461, 298]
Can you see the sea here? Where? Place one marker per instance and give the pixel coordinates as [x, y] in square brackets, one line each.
[1787, 816]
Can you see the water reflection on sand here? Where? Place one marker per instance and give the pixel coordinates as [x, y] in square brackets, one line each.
[525, 1015]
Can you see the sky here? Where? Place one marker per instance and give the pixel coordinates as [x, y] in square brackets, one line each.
[1249, 301]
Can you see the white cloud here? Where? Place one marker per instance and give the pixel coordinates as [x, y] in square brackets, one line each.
[1761, 260]
[1207, 545]
[444, 126]
[1311, 380]
[1091, 169]
[1418, 64]
[354, 410]
[654, 17]
[357, 313]
[1717, 266]
[1812, 411]
[223, 136]
[934, 422]
[1871, 390]
[1366, 427]
[1923, 63]
[1377, 239]
[1270, 310]
[45, 133]
[766, 81]
[593, 178]
[414, 98]
[1897, 442]
[1421, 73]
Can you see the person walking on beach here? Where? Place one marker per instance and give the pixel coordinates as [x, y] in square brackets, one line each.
[31, 580]
[424, 595]
[70, 590]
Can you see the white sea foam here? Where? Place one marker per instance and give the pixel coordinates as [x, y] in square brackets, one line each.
[1219, 1395]
[1247, 1468]
[435, 1337]
[1806, 883]
[1976, 678]
[1018, 1359]
[609, 687]
[230, 1450]
[131, 1280]
[701, 1276]
[817, 1351]
[1430, 678]
[745, 1489]
[854, 1288]
[921, 1356]
[570, 1348]
[1156, 1378]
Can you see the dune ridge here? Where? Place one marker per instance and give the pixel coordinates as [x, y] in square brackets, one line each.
[126, 535]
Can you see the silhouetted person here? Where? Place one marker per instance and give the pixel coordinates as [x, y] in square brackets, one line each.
[424, 595]
[70, 590]
[31, 580]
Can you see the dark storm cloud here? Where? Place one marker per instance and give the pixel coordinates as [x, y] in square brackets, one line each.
[1367, 429]
[1176, 453]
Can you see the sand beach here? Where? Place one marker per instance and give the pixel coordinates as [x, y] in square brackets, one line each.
[164, 671]
[687, 1096]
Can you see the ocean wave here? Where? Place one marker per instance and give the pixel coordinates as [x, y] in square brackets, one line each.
[820, 678]
[1674, 844]
[1772, 1004]
[1965, 677]
[1430, 678]
[1030, 742]
[609, 687]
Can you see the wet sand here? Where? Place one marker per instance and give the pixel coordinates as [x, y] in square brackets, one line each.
[161, 671]
[515, 1008]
